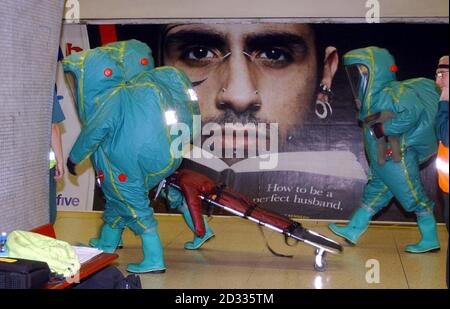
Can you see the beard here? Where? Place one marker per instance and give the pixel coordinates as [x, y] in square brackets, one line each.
[230, 117]
[248, 117]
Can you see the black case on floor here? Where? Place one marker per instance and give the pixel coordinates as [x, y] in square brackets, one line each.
[110, 277]
[23, 274]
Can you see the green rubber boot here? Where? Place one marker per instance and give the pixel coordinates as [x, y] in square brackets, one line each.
[153, 261]
[93, 242]
[197, 242]
[109, 239]
[428, 231]
[355, 228]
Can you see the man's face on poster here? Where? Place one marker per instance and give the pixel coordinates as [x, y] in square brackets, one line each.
[247, 73]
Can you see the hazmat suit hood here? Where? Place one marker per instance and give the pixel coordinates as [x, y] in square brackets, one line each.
[93, 75]
[369, 70]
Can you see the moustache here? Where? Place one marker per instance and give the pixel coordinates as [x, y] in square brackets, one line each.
[230, 116]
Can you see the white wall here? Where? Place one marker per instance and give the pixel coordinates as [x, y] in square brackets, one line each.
[29, 37]
[211, 9]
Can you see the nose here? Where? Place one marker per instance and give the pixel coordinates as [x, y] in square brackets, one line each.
[239, 91]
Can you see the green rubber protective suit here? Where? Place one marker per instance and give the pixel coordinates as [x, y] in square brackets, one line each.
[136, 122]
[398, 116]
[127, 109]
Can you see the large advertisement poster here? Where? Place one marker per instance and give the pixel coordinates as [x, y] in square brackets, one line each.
[280, 89]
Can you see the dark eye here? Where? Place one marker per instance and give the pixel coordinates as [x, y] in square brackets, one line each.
[273, 54]
[272, 57]
[198, 53]
[199, 56]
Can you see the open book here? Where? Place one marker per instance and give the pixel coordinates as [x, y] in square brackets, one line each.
[315, 184]
[86, 253]
[341, 164]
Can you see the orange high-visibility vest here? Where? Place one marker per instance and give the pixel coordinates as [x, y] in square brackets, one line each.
[442, 167]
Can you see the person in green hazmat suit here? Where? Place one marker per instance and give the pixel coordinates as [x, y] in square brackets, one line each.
[398, 132]
[131, 114]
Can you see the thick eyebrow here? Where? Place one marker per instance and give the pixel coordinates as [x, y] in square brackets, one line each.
[184, 38]
[294, 42]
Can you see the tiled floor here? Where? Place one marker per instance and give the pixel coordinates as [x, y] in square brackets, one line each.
[237, 257]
